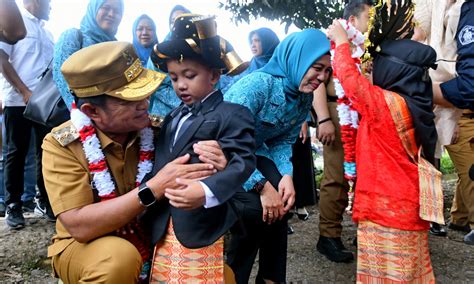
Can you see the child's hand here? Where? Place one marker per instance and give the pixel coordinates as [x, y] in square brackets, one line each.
[337, 33]
[190, 197]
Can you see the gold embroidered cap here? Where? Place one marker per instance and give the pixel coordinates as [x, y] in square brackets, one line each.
[110, 68]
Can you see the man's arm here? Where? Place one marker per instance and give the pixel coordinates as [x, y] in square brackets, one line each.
[12, 77]
[326, 132]
[11, 23]
[68, 185]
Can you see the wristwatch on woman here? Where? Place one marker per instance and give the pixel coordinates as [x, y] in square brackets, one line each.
[258, 187]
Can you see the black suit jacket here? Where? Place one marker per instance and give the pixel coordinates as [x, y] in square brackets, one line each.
[232, 126]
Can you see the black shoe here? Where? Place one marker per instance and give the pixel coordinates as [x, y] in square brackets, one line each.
[302, 214]
[29, 206]
[465, 229]
[469, 238]
[15, 219]
[290, 230]
[2, 209]
[437, 230]
[41, 210]
[334, 250]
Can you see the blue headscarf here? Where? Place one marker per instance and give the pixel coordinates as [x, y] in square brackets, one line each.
[143, 52]
[89, 24]
[295, 55]
[269, 41]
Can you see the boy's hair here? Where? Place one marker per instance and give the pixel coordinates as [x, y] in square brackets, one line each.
[355, 8]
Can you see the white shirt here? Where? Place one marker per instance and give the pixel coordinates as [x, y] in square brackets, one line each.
[211, 199]
[29, 57]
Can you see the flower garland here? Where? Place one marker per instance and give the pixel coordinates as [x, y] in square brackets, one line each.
[348, 117]
[102, 179]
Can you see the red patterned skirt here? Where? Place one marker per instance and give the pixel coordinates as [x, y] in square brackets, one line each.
[387, 255]
[174, 263]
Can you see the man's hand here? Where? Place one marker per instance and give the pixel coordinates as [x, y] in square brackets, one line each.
[455, 137]
[326, 133]
[166, 177]
[26, 95]
[271, 203]
[210, 152]
[286, 189]
[191, 195]
[304, 132]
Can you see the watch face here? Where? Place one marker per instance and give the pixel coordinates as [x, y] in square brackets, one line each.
[146, 196]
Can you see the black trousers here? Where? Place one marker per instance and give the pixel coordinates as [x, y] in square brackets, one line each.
[303, 173]
[252, 235]
[18, 135]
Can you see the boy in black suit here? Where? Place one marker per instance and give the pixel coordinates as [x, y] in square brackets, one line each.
[195, 217]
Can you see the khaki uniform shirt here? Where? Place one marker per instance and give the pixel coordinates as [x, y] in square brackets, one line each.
[67, 178]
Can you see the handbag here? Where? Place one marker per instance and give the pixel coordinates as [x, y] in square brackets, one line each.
[46, 105]
[431, 190]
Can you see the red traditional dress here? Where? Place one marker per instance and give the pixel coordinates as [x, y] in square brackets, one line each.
[392, 238]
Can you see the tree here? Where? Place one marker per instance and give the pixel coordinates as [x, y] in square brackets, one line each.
[302, 13]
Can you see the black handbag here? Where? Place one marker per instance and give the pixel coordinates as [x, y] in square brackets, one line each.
[46, 105]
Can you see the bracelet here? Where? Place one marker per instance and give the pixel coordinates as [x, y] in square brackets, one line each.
[324, 120]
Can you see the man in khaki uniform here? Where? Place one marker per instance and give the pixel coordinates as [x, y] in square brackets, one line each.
[462, 154]
[111, 90]
[333, 190]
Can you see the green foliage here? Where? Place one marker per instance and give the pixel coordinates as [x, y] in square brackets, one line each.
[447, 166]
[302, 13]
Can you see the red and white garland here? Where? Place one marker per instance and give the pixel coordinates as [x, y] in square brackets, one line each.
[101, 176]
[348, 117]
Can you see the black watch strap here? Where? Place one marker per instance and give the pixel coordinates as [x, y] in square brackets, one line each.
[258, 187]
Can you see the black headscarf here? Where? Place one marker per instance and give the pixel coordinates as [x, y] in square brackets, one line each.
[402, 66]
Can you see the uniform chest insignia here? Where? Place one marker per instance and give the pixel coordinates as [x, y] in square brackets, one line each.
[65, 135]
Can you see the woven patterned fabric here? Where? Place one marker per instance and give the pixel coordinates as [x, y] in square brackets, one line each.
[387, 255]
[174, 263]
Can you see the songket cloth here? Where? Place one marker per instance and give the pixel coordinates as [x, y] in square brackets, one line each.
[389, 255]
[174, 263]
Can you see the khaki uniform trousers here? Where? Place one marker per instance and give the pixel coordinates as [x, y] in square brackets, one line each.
[462, 155]
[108, 259]
[333, 191]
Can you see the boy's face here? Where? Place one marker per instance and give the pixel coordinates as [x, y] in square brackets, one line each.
[192, 81]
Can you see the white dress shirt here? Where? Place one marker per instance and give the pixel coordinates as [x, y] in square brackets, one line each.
[211, 199]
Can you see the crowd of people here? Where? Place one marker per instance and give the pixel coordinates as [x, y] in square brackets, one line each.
[178, 162]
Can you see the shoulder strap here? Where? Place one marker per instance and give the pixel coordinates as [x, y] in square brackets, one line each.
[403, 123]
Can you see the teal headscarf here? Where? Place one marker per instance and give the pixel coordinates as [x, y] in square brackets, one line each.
[295, 55]
[89, 24]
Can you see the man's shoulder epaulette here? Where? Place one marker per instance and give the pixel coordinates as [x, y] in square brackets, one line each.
[65, 134]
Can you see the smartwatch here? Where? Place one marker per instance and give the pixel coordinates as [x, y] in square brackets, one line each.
[145, 195]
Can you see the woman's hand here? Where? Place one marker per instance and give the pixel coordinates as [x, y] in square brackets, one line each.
[304, 132]
[286, 189]
[210, 152]
[337, 33]
[271, 203]
[326, 133]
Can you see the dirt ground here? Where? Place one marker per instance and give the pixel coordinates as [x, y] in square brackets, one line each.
[23, 253]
